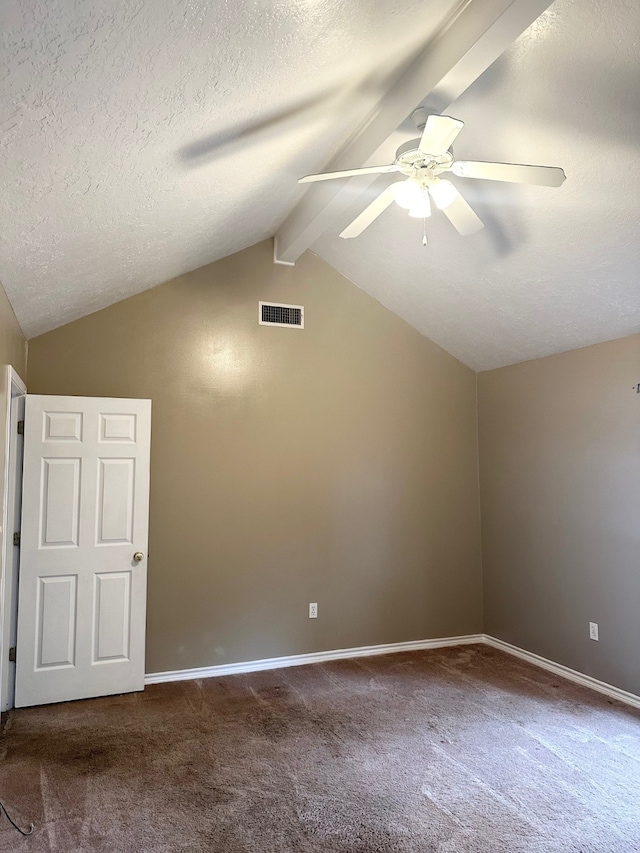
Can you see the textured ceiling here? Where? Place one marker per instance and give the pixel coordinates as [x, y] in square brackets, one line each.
[144, 139]
[554, 269]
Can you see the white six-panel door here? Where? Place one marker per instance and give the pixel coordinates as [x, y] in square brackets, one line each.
[83, 548]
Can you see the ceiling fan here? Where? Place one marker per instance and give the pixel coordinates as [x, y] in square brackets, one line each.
[423, 161]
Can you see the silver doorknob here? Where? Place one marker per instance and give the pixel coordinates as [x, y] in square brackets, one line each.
[138, 556]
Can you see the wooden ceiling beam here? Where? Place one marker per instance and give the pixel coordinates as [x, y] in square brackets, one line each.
[453, 60]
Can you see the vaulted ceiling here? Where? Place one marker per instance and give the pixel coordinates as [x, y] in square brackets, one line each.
[144, 139]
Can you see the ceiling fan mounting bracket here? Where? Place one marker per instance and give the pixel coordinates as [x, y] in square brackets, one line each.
[420, 115]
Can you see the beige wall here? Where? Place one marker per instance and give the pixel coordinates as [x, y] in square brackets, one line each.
[560, 485]
[337, 464]
[13, 352]
[12, 344]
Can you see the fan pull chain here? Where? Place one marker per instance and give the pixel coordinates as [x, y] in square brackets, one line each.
[424, 232]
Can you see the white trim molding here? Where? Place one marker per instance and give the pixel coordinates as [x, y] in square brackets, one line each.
[15, 387]
[391, 648]
[565, 672]
[314, 657]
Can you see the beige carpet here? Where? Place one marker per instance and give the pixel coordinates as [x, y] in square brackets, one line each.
[460, 750]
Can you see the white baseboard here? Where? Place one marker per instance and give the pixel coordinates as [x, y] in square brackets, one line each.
[390, 648]
[314, 657]
[565, 672]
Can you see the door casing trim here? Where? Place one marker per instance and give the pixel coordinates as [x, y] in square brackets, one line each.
[15, 388]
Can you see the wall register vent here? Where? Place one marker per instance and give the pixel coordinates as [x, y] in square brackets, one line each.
[277, 314]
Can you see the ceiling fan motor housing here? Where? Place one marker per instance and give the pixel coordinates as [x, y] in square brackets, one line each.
[422, 167]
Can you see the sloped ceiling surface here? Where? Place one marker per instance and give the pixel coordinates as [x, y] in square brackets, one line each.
[147, 138]
[553, 269]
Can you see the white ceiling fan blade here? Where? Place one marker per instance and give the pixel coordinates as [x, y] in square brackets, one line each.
[373, 211]
[543, 176]
[366, 170]
[462, 216]
[439, 133]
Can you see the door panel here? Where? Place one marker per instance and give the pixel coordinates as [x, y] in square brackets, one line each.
[62, 426]
[56, 621]
[112, 616]
[82, 596]
[115, 501]
[60, 506]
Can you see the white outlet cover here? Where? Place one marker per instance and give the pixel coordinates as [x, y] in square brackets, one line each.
[593, 630]
[313, 610]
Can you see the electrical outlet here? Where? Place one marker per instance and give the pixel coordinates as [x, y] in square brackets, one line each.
[593, 630]
[313, 610]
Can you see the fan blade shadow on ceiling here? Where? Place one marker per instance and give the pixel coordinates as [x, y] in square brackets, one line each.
[504, 240]
[203, 150]
[358, 98]
[506, 231]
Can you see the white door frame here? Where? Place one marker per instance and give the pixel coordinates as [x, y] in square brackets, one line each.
[12, 484]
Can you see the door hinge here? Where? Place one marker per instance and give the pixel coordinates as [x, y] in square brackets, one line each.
[16, 538]
[20, 427]
[12, 654]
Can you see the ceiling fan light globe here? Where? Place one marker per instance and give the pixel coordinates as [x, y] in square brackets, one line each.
[422, 208]
[443, 193]
[407, 194]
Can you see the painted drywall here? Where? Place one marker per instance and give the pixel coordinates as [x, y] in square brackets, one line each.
[13, 351]
[12, 343]
[559, 443]
[335, 464]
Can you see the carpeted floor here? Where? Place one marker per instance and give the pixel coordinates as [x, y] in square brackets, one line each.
[461, 750]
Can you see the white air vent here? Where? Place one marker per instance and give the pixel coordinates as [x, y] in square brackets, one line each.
[277, 314]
